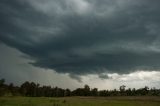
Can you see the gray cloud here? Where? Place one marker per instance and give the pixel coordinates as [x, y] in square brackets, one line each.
[104, 76]
[84, 36]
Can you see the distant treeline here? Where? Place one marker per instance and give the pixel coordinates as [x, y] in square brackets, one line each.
[32, 89]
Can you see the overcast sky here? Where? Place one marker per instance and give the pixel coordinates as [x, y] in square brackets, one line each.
[69, 43]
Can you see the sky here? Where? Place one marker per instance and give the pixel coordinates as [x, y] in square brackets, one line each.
[69, 43]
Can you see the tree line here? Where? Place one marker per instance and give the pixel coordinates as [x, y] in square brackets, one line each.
[32, 89]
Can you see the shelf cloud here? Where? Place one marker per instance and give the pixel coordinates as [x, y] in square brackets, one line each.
[82, 37]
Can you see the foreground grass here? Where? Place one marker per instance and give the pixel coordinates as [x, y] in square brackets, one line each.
[80, 101]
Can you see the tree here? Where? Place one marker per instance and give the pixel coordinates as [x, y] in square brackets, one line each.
[2, 87]
[94, 92]
[122, 90]
[32, 89]
[11, 88]
[86, 90]
[144, 91]
[24, 89]
[2, 82]
[129, 92]
[67, 92]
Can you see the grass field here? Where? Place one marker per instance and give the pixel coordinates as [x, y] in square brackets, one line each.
[80, 101]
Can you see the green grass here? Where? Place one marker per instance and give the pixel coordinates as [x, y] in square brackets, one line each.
[80, 101]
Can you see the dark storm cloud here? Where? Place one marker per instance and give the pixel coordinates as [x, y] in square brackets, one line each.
[84, 36]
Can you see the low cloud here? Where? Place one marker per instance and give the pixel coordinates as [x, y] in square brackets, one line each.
[86, 36]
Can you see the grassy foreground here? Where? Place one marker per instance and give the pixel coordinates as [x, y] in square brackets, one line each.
[80, 101]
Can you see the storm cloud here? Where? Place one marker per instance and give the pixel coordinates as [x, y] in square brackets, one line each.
[84, 36]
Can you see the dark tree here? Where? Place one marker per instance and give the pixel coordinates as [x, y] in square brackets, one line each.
[32, 89]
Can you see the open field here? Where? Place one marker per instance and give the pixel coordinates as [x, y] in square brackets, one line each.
[80, 101]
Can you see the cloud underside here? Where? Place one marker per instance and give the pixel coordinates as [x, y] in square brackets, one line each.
[84, 36]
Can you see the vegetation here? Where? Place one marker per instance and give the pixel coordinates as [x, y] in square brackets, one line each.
[80, 101]
[31, 89]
